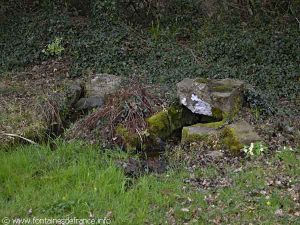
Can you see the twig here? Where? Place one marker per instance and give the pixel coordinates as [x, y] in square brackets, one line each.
[298, 22]
[292, 11]
[15, 135]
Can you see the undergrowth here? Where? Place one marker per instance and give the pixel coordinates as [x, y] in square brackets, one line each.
[127, 109]
[265, 55]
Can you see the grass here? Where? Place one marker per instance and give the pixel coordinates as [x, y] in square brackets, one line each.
[78, 179]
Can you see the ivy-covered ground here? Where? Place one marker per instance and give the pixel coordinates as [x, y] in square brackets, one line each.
[266, 56]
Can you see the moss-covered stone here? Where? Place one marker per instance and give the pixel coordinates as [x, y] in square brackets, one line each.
[237, 104]
[164, 123]
[215, 125]
[202, 80]
[238, 134]
[202, 132]
[233, 136]
[214, 98]
[160, 124]
[218, 114]
[230, 140]
[198, 133]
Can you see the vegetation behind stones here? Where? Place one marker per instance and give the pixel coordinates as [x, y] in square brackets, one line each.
[256, 43]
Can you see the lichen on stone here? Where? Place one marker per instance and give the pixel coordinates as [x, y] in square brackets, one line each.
[200, 106]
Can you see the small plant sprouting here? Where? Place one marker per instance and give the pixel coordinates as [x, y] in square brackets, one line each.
[254, 149]
[155, 30]
[54, 48]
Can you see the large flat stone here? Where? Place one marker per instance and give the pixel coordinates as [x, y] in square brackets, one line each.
[102, 84]
[233, 136]
[238, 134]
[199, 132]
[97, 89]
[210, 97]
[89, 103]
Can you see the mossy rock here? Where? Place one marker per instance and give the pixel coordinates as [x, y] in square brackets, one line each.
[232, 136]
[199, 132]
[164, 123]
[205, 96]
[238, 134]
[202, 131]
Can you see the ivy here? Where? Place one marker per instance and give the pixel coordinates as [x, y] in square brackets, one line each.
[265, 56]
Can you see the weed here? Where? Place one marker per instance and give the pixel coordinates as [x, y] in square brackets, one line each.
[155, 30]
[254, 149]
[55, 48]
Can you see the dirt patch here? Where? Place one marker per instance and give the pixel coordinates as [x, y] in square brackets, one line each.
[278, 130]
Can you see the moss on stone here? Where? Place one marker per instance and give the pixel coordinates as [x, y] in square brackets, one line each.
[187, 137]
[202, 80]
[164, 123]
[159, 124]
[237, 105]
[215, 125]
[222, 88]
[218, 114]
[199, 134]
[130, 140]
[231, 141]
[175, 116]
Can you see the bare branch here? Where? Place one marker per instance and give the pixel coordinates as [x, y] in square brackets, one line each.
[18, 136]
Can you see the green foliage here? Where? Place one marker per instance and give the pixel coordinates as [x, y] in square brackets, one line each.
[54, 48]
[180, 45]
[102, 8]
[155, 30]
[254, 149]
[263, 57]
[30, 34]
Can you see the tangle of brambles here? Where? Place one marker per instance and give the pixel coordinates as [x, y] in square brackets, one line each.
[129, 107]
